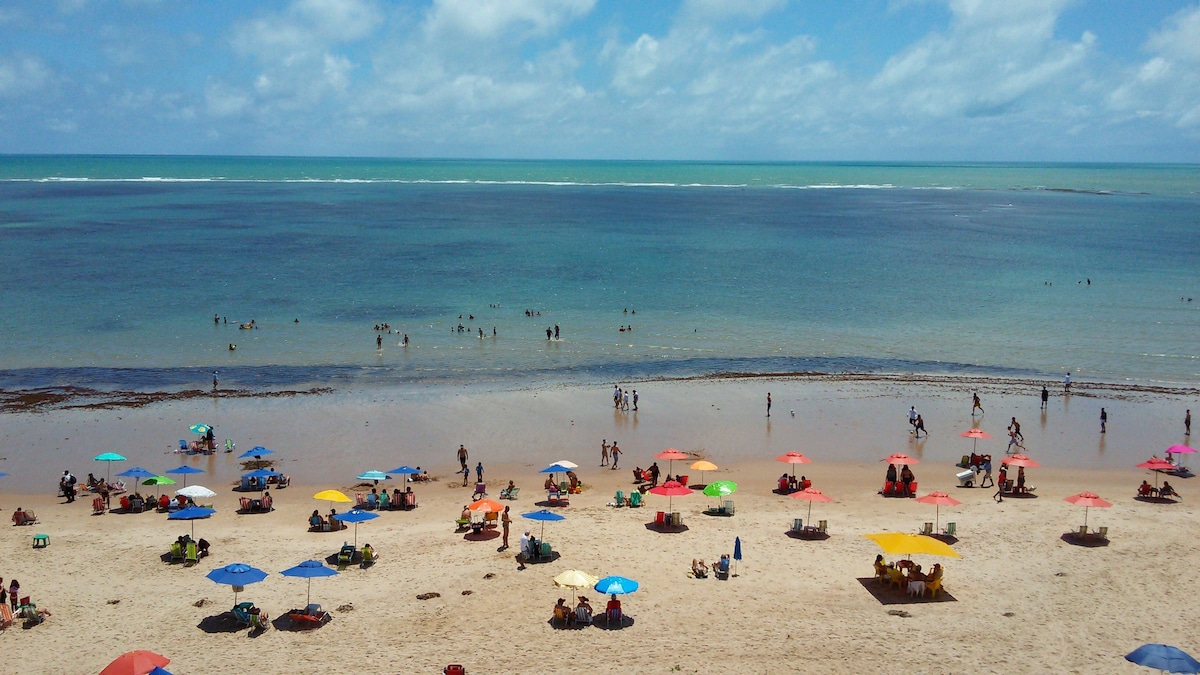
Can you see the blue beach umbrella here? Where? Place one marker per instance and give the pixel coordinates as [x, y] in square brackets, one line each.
[108, 458]
[192, 514]
[237, 575]
[373, 475]
[308, 570]
[256, 452]
[1165, 658]
[262, 475]
[199, 428]
[405, 470]
[356, 516]
[158, 671]
[616, 586]
[737, 550]
[136, 472]
[184, 470]
[2, 474]
[543, 515]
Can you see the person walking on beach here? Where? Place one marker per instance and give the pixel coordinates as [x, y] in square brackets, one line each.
[625, 401]
[999, 496]
[214, 380]
[768, 404]
[635, 399]
[976, 405]
[1103, 421]
[1045, 396]
[987, 472]
[1187, 423]
[616, 396]
[919, 427]
[505, 522]
[616, 454]
[604, 452]
[1067, 383]
[479, 472]
[466, 472]
[912, 418]
[462, 456]
[1015, 428]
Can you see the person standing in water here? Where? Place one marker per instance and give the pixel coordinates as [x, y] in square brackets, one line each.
[768, 404]
[1045, 396]
[1187, 423]
[1103, 421]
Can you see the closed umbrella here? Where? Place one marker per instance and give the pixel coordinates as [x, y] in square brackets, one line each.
[543, 515]
[938, 499]
[237, 575]
[737, 552]
[183, 470]
[309, 569]
[356, 516]
[670, 490]
[192, 514]
[810, 495]
[138, 662]
[108, 458]
[1087, 500]
[793, 458]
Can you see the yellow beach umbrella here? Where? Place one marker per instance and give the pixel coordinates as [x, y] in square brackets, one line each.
[332, 496]
[574, 579]
[903, 543]
[703, 466]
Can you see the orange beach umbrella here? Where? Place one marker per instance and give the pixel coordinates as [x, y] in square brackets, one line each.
[901, 458]
[138, 662]
[975, 434]
[1020, 460]
[671, 454]
[793, 458]
[702, 466]
[486, 505]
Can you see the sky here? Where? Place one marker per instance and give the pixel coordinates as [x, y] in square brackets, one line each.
[744, 80]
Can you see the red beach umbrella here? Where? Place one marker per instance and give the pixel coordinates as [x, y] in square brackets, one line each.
[671, 454]
[793, 458]
[975, 434]
[810, 495]
[1020, 460]
[671, 489]
[1087, 500]
[139, 662]
[901, 458]
[938, 499]
[1156, 464]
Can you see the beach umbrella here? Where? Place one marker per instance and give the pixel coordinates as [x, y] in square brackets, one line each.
[1161, 657]
[373, 475]
[108, 458]
[737, 552]
[543, 515]
[567, 464]
[2, 474]
[356, 516]
[903, 543]
[136, 472]
[975, 434]
[938, 499]
[157, 482]
[793, 458]
[616, 586]
[137, 662]
[810, 495]
[262, 475]
[1156, 464]
[720, 488]
[405, 470]
[332, 496]
[1020, 460]
[195, 492]
[256, 452]
[192, 514]
[1180, 450]
[575, 580]
[671, 454]
[183, 470]
[159, 671]
[237, 575]
[900, 458]
[199, 428]
[308, 570]
[702, 466]
[485, 505]
[1087, 500]
[670, 490]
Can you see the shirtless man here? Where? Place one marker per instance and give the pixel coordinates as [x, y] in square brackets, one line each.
[604, 452]
[462, 457]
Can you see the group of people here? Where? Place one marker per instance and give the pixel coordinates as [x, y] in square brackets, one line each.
[1148, 490]
[916, 422]
[789, 483]
[621, 398]
[582, 613]
[907, 570]
[903, 479]
[319, 524]
[720, 567]
[607, 450]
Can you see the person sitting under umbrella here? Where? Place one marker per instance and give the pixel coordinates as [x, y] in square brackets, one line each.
[613, 611]
[563, 613]
[891, 474]
[1167, 491]
[583, 611]
[1146, 490]
[907, 477]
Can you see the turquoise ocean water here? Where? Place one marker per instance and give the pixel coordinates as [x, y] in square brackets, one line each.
[111, 269]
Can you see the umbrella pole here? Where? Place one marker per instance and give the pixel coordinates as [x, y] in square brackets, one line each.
[937, 517]
[1085, 512]
[810, 511]
[308, 598]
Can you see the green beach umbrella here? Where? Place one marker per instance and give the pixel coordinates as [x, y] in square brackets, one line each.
[108, 458]
[158, 481]
[720, 488]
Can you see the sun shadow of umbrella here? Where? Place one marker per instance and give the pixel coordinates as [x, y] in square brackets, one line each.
[293, 621]
[601, 622]
[1074, 539]
[886, 595]
[666, 529]
[1155, 500]
[563, 625]
[225, 622]
[482, 535]
[554, 555]
[809, 536]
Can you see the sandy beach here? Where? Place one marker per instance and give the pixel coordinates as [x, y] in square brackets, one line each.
[1020, 599]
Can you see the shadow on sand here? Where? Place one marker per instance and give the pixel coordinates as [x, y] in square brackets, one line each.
[886, 595]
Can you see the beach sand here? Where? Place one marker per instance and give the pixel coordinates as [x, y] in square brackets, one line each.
[1021, 598]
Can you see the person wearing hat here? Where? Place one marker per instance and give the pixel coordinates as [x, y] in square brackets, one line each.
[583, 611]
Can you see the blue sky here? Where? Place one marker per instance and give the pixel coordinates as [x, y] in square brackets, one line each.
[985, 80]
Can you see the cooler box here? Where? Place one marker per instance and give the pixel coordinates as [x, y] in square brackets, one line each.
[660, 518]
[966, 478]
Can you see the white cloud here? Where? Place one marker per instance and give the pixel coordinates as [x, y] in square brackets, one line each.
[487, 19]
[1167, 85]
[22, 75]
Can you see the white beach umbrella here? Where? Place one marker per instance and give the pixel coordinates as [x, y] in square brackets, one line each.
[195, 492]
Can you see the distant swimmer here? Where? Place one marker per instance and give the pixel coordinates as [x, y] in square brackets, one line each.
[378, 342]
[216, 319]
[405, 342]
[232, 346]
[555, 331]
[549, 332]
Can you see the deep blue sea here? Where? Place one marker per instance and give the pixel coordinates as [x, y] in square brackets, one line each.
[112, 268]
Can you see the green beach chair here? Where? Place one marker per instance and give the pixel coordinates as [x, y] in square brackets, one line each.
[620, 498]
[193, 554]
[635, 498]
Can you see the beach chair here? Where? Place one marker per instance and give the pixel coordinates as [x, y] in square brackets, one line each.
[927, 529]
[137, 505]
[24, 518]
[192, 554]
[176, 552]
[797, 525]
[727, 508]
[951, 528]
[933, 587]
[241, 612]
[98, 507]
[6, 617]
[480, 491]
[346, 555]
[510, 494]
[246, 504]
[360, 500]
[183, 445]
[895, 578]
[369, 556]
[462, 524]
[635, 499]
[264, 504]
[229, 445]
[259, 619]
[544, 552]
[454, 669]
[1102, 533]
[619, 498]
[372, 501]
[564, 498]
[822, 526]
[410, 500]
[385, 501]
[491, 519]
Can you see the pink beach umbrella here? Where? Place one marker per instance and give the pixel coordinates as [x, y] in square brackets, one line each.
[671, 454]
[793, 458]
[1179, 450]
[670, 490]
[1087, 500]
[1156, 464]
[810, 495]
[901, 458]
[975, 434]
[938, 499]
